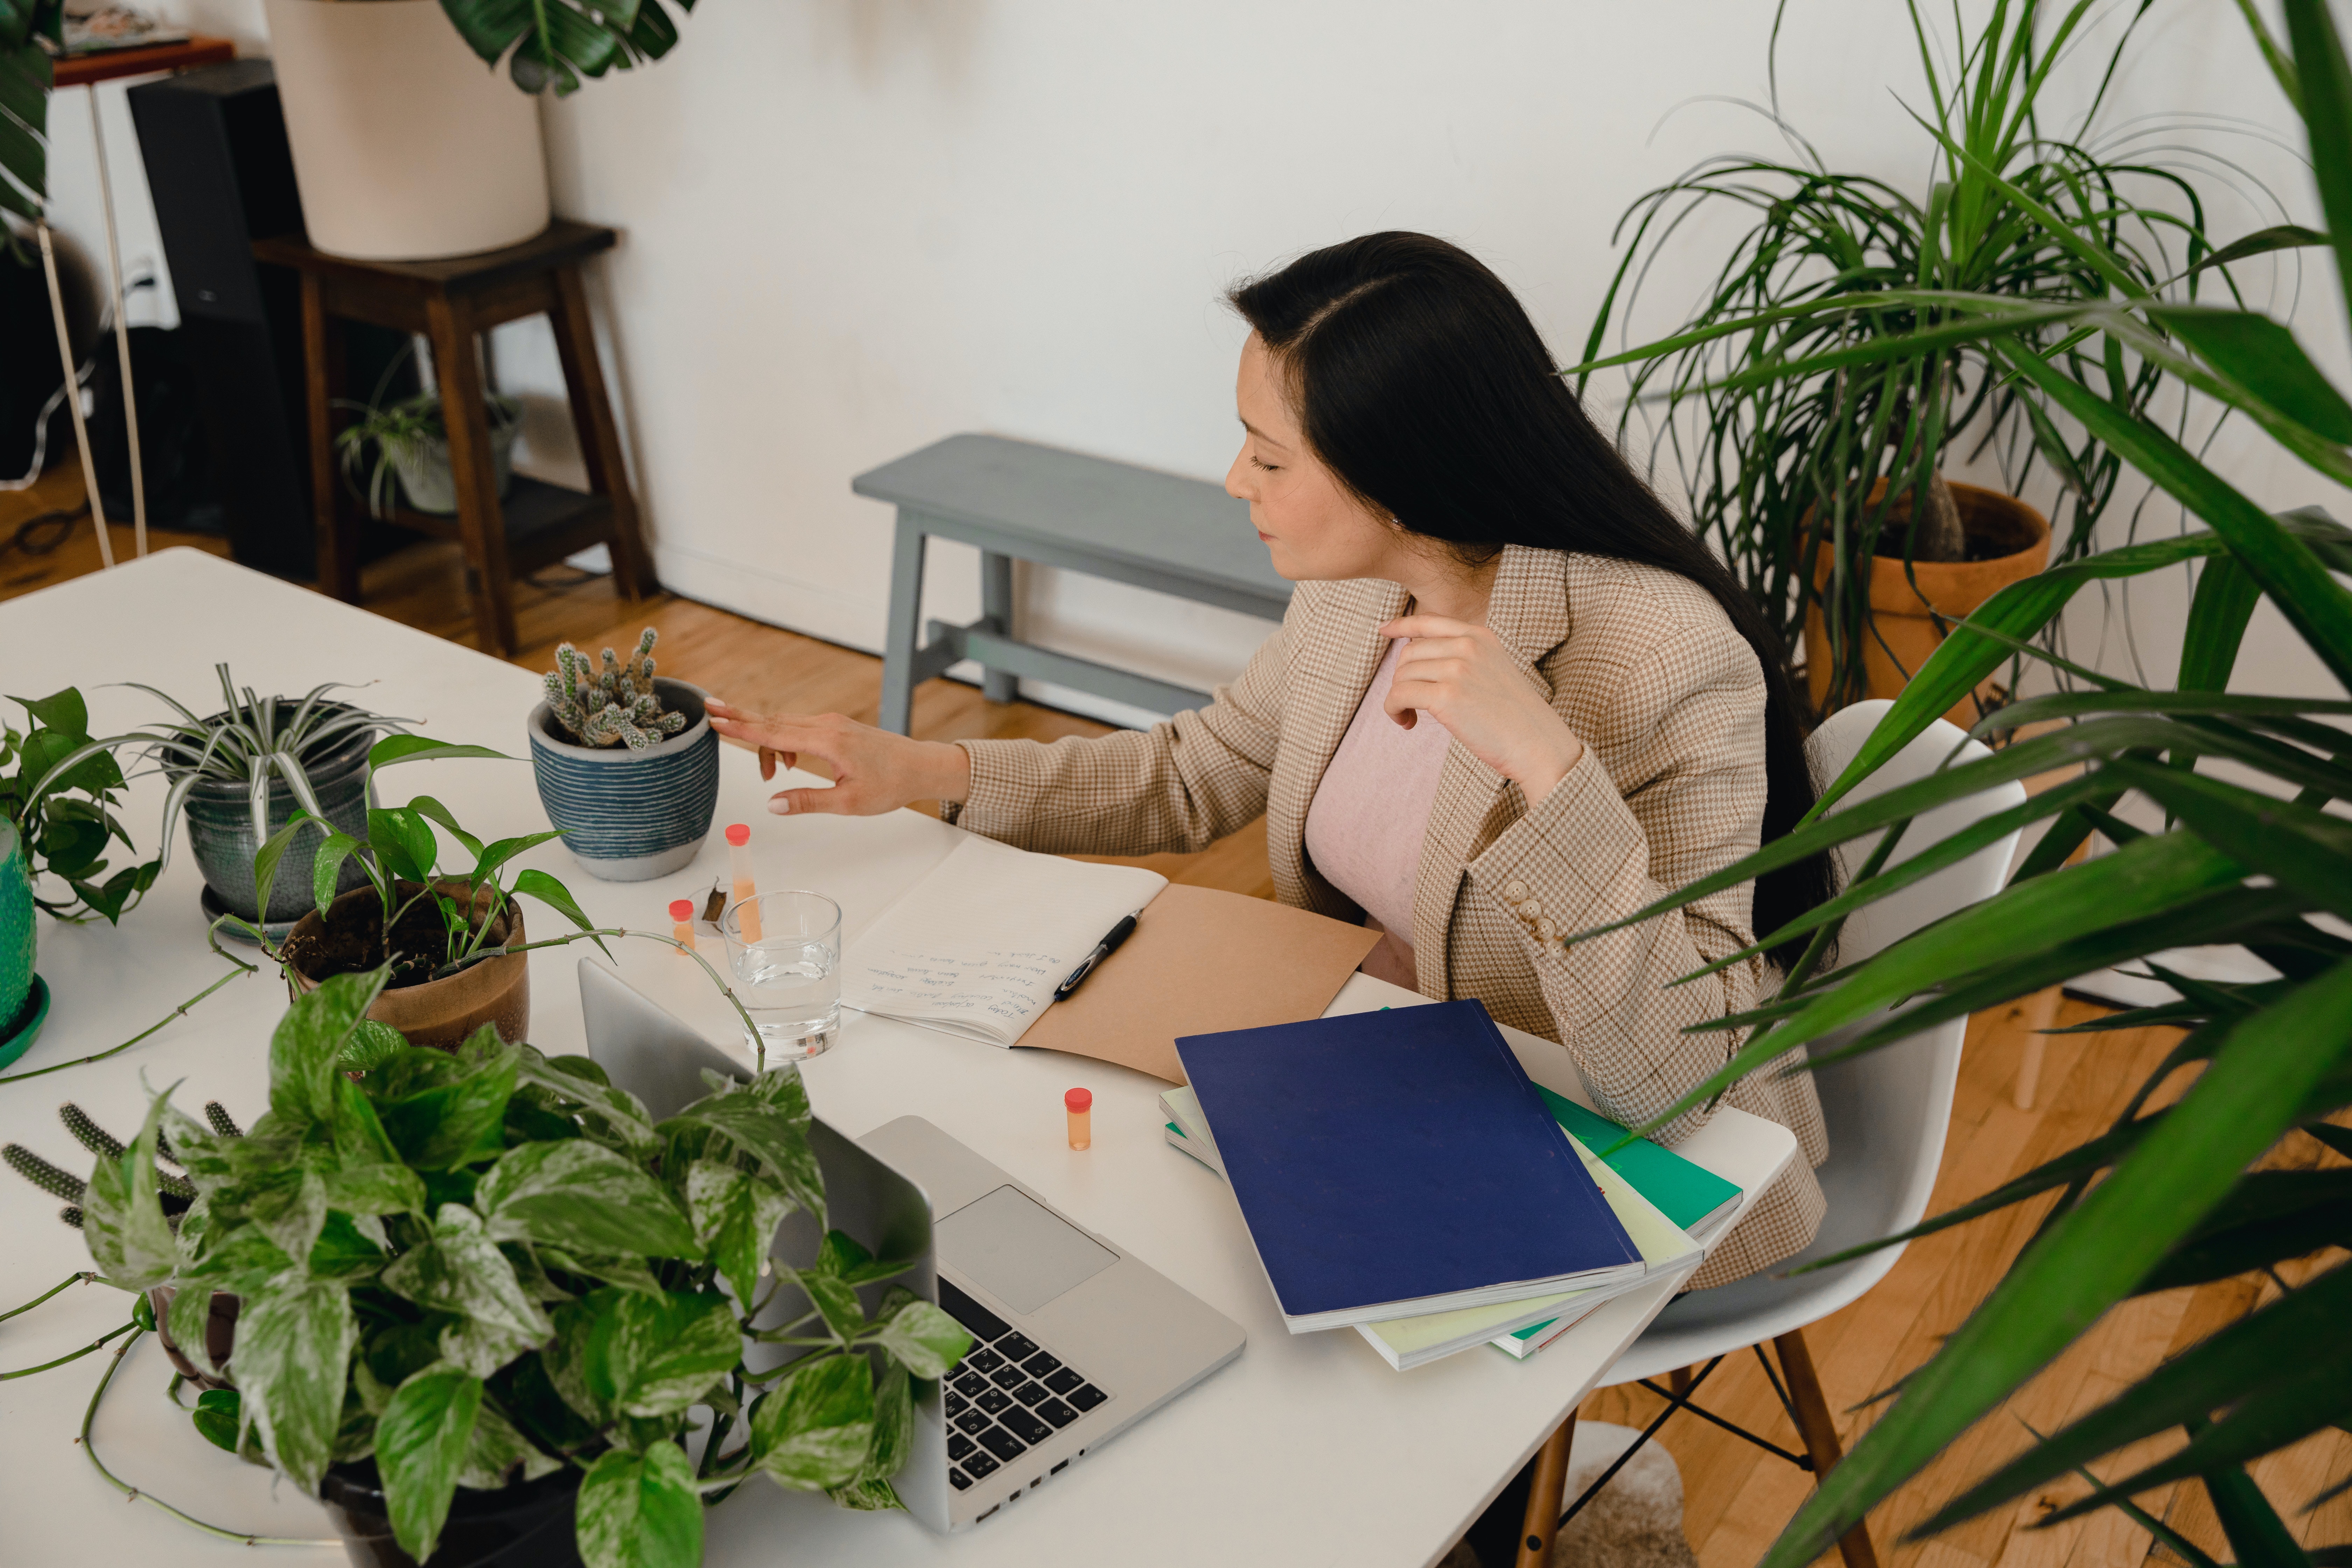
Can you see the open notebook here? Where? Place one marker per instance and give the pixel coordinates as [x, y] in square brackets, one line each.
[977, 946]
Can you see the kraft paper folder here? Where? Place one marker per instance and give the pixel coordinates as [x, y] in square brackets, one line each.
[1201, 962]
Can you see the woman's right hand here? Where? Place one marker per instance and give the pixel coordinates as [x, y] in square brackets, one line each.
[873, 770]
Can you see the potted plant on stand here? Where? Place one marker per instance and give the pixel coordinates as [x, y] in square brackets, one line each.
[405, 147]
[412, 442]
[1807, 482]
[482, 1308]
[626, 763]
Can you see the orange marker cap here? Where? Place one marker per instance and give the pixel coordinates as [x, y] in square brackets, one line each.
[1078, 1099]
[739, 833]
[681, 909]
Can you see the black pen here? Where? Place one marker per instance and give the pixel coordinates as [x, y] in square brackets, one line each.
[1103, 949]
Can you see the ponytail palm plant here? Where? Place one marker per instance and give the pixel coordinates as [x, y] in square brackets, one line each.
[2220, 1182]
[1799, 436]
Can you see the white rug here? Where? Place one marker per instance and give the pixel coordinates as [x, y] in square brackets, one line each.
[1635, 1522]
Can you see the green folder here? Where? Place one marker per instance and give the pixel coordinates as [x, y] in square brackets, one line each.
[1694, 1199]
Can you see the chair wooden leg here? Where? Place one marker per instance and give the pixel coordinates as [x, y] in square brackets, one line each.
[1541, 1523]
[1678, 1382]
[2034, 1015]
[481, 521]
[1820, 1433]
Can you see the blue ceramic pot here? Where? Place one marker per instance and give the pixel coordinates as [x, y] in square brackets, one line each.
[220, 830]
[629, 815]
[16, 945]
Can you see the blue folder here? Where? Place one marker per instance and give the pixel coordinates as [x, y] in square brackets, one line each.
[1398, 1162]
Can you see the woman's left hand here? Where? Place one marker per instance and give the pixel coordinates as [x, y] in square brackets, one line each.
[1460, 676]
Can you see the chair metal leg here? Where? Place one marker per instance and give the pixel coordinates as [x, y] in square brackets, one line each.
[1813, 1413]
[1541, 1523]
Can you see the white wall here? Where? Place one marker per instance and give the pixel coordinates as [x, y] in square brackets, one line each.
[856, 225]
[852, 226]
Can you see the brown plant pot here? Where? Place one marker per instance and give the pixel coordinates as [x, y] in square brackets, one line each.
[438, 1014]
[1904, 626]
[220, 1336]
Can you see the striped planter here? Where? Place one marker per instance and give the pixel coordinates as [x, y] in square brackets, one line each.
[631, 816]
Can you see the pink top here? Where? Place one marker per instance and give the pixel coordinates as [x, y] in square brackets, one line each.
[1370, 813]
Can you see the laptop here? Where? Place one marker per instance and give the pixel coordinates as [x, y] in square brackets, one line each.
[1074, 1340]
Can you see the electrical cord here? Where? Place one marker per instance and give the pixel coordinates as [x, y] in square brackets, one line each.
[42, 535]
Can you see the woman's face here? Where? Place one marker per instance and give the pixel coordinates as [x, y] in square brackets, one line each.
[1315, 529]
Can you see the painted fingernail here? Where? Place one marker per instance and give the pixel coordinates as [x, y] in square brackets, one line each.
[780, 805]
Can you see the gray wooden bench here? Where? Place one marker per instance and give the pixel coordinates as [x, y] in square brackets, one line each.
[1017, 501]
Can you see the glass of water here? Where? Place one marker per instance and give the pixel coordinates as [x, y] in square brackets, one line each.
[784, 950]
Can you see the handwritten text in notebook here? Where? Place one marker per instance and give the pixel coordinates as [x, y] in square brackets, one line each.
[977, 947]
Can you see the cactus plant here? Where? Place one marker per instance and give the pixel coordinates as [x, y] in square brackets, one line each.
[614, 705]
[174, 1189]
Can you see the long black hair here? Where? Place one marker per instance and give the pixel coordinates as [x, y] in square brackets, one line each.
[1421, 383]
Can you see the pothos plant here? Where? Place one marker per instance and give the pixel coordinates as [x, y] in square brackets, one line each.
[484, 1267]
[62, 795]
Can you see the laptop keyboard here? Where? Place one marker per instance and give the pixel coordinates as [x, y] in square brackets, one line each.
[1006, 1395]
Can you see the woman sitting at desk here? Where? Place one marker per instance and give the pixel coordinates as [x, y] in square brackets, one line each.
[1513, 699]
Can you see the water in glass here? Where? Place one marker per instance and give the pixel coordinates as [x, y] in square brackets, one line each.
[789, 980]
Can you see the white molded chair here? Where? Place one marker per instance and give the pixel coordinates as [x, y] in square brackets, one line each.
[1886, 1112]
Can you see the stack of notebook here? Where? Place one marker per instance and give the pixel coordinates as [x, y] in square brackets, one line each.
[1400, 1174]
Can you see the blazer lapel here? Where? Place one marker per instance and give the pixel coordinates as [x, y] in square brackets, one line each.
[1330, 678]
[1527, 612]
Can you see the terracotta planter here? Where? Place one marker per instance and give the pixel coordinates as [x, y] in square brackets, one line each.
[1905, 618]
[438, 1014]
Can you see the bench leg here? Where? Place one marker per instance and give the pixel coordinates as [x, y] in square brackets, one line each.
[996, 605]
[904, 627]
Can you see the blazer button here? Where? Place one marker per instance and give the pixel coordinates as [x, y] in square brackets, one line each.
[1515, 891]
[1545, 931]
[1531, 908]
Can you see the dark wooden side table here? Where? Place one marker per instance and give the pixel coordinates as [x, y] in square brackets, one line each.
[450, 302]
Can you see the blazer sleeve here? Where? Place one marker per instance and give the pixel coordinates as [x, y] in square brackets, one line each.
[1180, 785]
[1670, 787]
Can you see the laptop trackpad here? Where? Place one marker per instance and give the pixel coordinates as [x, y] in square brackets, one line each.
[1018, 1251]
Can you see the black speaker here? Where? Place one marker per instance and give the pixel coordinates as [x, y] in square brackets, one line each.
[214, 141]
[214, 144]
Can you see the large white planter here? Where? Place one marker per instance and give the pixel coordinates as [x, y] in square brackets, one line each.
[406, 146]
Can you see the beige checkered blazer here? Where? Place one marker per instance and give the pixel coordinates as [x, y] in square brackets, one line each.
[1669, 701]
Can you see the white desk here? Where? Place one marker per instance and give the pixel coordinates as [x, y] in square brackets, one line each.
[1308, 1450]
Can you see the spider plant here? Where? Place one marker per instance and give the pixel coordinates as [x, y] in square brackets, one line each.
[2242, 1173]
[410, 437]
[1794, 434]
[251, 740]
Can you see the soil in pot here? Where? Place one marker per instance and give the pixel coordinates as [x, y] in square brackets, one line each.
[529, 1525]
[438, 1014]
[2007, 542]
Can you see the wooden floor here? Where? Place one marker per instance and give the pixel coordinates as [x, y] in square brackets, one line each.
[1737, 1498]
